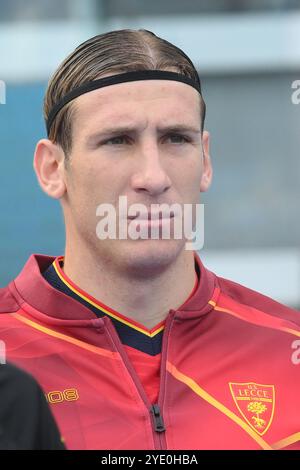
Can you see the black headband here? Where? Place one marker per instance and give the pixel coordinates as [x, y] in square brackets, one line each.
[119, 78]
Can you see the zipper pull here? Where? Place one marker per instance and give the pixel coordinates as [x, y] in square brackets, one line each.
[158, 419]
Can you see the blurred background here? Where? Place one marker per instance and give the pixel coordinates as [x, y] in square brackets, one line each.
[247, 53]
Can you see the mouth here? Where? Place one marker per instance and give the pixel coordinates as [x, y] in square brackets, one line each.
[151, 216]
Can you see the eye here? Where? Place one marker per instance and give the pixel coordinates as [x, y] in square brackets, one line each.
[115, 140]
[119, 140]
[180, 136]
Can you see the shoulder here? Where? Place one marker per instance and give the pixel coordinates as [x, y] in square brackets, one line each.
[17, 387]
[13, 378]
[236, 294]
[8, 303]
[25, 418]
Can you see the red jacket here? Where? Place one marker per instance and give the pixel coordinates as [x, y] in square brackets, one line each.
[230, 372]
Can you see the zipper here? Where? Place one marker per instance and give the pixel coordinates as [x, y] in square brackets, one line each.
[156, 417]
[159, 425]
[162, 385]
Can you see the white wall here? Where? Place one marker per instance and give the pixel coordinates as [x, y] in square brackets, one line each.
[215, 43]
[275, 273]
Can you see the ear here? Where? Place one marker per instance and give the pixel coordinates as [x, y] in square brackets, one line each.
[207, 171]
[48, 164]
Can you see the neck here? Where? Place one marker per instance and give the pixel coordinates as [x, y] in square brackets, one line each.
[146, 300]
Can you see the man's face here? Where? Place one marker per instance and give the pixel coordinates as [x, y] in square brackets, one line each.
[146, 163]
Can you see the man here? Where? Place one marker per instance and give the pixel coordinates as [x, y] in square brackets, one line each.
[25, 419]
[135, 343]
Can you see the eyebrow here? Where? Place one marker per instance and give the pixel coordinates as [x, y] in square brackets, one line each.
[128, 129]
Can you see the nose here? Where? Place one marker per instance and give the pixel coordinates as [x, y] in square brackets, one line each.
[150, 176]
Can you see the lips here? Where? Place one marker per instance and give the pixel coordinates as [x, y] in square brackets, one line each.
[152, 216]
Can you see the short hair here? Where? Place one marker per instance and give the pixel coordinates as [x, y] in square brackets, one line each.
[114, 52]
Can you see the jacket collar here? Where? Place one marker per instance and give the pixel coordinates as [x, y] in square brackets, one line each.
[31, 287]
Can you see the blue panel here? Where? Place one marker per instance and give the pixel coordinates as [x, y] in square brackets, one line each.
[31, 222]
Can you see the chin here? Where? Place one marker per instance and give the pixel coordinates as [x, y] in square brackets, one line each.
[147, 257]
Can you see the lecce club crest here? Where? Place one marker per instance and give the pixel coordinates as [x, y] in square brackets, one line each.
[256, 403]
